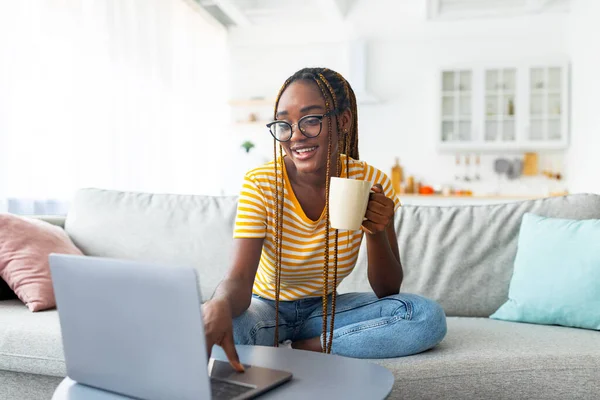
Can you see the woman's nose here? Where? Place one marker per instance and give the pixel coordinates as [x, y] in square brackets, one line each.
[296, 134]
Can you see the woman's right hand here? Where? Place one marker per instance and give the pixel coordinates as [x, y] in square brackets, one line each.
[218, 329]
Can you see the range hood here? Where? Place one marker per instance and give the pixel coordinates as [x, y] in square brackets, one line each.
[358, 72]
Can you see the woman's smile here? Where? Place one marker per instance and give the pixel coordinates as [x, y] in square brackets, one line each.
[303, 152]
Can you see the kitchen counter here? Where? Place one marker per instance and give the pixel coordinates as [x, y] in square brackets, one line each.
[417, 199]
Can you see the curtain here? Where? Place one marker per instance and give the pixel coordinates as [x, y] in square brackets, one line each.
[115, 94]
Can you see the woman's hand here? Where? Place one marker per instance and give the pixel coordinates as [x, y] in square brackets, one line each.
[380, 211]
[218, 329]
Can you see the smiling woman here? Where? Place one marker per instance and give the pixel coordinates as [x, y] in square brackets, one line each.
[288, 261]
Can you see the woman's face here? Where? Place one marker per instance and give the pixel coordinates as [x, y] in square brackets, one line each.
[299, 99]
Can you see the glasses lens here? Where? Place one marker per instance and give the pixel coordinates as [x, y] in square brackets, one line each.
[310, 126]
[281, 131]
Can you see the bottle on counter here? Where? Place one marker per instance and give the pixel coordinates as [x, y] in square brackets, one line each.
[410, 184]
[397, 177]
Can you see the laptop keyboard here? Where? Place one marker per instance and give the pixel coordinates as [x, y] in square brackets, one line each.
[226, 391]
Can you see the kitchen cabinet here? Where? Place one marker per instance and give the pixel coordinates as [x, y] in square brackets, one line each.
[522, 107]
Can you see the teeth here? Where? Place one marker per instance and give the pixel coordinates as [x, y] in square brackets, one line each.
[305, 150]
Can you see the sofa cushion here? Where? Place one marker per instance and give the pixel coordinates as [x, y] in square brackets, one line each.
[30, 342]
[163, 228]
[482, 358]
[463, 256]
[556, 279]
[25, 244]
[479, 358]
[22, 386]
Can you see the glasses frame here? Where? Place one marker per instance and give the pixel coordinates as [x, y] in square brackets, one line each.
[297, 124]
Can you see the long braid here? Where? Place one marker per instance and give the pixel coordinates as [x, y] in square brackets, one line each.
[347, 153]
[280, 212]
[324, 343]
[277, 238]
[354, 134]
[351, 139]
[278, 219]
[343, 97]
[334, 292]
[326, 250]
[328, 342]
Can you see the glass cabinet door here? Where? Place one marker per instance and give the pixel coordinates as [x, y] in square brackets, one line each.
[545, 104]
[500, 106]
[457, 124]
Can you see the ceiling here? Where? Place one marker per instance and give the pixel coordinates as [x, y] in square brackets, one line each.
[461, 9]
[264, 12]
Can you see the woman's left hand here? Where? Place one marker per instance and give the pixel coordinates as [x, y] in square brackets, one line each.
[380, 211]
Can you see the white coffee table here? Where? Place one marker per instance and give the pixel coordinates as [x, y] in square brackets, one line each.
[316, 376]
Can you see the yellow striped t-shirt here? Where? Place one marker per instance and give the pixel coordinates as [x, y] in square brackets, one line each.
[303, 240]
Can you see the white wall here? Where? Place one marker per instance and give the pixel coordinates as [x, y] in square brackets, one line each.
[583, 158]
[115, 94]
[405, 53]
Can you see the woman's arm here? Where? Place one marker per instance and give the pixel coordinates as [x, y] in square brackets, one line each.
[232, 298]
[384, 267]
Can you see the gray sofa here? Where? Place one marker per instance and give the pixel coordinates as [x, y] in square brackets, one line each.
[461, 256]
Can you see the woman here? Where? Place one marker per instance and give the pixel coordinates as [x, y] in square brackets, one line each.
[286, 265]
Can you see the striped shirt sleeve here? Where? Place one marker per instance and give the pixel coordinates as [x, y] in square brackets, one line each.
[251, 217]
[374, 175]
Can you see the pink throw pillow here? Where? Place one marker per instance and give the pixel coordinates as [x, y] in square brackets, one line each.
[24, 248]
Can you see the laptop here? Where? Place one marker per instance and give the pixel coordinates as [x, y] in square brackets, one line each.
[135, 328]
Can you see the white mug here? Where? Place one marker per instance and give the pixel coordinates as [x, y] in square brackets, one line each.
[348, 200]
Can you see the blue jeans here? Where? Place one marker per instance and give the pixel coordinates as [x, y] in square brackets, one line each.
[365, 326]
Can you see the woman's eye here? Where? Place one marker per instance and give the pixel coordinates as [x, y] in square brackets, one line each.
[283, 127]
[312, 121]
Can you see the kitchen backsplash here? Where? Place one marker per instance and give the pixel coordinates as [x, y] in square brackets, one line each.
[515, 174]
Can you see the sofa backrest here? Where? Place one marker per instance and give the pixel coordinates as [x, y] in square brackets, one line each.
[171, 229]
[461, 256]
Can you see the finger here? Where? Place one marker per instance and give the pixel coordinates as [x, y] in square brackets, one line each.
[376, 218]
[231, 353]
[364, 229]
[377, 188]
[381, 198]
[382, 209]
[371, 227]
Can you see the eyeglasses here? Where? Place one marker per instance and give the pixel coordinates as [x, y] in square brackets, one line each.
[309, 125]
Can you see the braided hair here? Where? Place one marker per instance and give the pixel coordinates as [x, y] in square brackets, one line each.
[338, 96]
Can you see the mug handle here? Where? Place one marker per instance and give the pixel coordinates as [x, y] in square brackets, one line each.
[370, 192]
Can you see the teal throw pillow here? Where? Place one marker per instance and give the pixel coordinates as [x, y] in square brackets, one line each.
[556, 278]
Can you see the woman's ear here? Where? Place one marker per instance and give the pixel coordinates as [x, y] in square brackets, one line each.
[346, 121]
